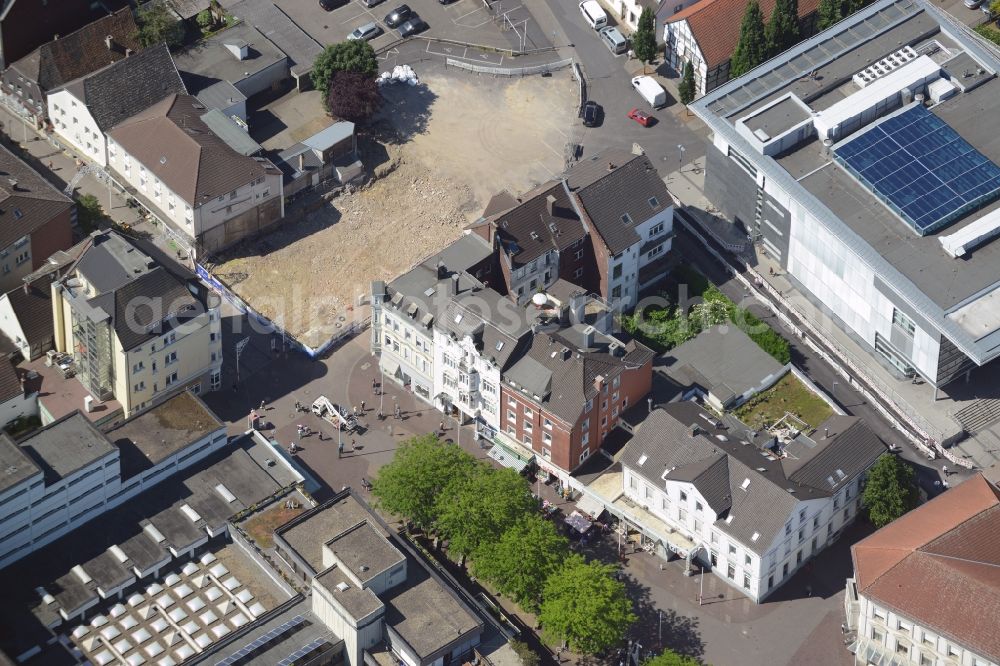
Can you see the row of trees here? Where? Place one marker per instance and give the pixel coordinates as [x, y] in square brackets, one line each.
[490, 517]
[760, 41]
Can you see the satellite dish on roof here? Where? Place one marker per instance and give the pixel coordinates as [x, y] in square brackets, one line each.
[539, 299]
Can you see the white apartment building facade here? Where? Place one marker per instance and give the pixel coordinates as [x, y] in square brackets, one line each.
[84, 111]
[475, 339]
[742, 524]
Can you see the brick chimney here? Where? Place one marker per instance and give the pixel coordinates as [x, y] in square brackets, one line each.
[550, 205]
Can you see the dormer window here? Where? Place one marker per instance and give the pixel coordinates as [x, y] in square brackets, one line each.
[654, 203]
[626, 218]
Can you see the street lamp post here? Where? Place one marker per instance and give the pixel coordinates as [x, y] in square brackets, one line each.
[381, 390]
[701, 586]
[239, 350]
[680, 158]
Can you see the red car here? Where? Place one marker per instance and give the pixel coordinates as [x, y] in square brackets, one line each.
[641, 117]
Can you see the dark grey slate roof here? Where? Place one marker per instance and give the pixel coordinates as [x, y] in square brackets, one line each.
[718, 463]
[135, 324]
[614, 183]
[492, 319]
[27, 201]
[527, 231]
[33, 309]
[129, 86]
[572, 373]
[421, 287]
[841, 448]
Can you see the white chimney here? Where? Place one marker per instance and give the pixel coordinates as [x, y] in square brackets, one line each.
[109, 41]
[88, 404]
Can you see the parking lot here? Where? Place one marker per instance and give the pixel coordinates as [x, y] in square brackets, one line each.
[508, 25]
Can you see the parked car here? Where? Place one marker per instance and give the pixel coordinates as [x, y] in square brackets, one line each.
[371, 3]
[614, 40]
[367, 31]
[412, 27]
[591, 114]
[446, 2]
[398, 16]
[641, 117]
[973, 4]
[330, 5]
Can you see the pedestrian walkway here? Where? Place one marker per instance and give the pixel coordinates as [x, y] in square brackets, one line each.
[60, 165]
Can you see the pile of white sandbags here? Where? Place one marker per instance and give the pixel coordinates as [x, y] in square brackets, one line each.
[403, 73]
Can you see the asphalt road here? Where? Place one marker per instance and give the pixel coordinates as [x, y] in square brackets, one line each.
[928, 472]
[609, 84]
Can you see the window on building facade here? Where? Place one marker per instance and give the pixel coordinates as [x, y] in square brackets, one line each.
[731, 572]
[684, 496]
[746, 581]
[903, 323]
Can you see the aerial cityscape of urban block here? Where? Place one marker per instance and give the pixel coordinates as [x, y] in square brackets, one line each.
[500, 332]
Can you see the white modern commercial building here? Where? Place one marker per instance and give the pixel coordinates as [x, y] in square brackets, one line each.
[864, 162]
[751, 512]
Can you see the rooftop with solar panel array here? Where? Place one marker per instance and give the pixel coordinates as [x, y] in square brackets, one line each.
[891, 124]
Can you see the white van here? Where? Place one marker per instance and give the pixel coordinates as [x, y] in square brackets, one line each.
[593, 14]
[614, 40]
[650, 90]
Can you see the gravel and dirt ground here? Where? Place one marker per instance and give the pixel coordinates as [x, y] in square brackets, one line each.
[444, 147]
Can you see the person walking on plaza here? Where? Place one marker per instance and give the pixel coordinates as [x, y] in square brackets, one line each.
[362, 406]
[374, 386]
[340, 450]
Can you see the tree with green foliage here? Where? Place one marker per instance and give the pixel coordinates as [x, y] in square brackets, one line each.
[158, 23]
[829, 12]
[644, 38]
[851, 6]
[890, 491]
[480, 506]
[524, 652]
[352, 55]
[585, 606]
[671, 658]
[353, 96]
[420, 470]
[751, 47]
[89, 213]
[782, 31]
[205, 20]
[520, 561]
[995, 9]
[686, 89]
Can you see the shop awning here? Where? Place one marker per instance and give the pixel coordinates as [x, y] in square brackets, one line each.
[507, 458]
[390, 367]
[578, 522]
[590, 506]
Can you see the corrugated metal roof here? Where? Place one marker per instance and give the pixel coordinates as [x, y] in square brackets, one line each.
[234, 136]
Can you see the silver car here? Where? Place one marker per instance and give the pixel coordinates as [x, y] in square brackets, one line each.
[366, 32]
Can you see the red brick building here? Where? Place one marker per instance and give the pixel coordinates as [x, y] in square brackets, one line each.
[567, 393]
[35, 220]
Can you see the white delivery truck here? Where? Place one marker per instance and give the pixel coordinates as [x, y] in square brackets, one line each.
[593, 14]
[650, 90]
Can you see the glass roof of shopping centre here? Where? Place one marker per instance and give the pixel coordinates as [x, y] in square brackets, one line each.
[921, 168]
